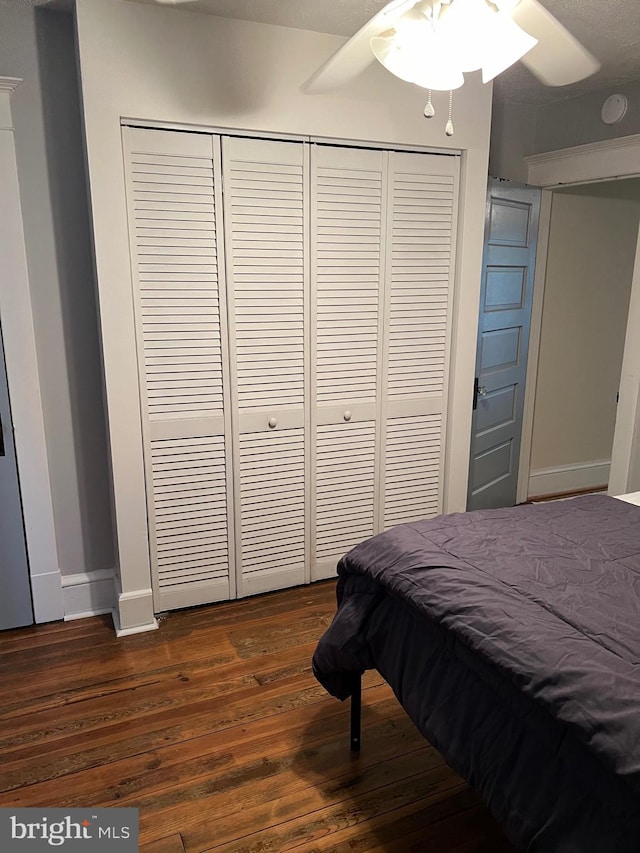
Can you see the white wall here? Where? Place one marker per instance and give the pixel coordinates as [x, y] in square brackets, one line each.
[586, 301]
[37, 45]
[171, 65]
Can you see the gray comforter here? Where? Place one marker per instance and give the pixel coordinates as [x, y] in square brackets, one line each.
[547, 596]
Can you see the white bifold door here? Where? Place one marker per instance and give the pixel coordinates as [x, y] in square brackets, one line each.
[293, 307]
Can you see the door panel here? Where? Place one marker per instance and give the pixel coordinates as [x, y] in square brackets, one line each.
[272, 508]
[347, 263]
[503, 340]
[421, 226]
[266, 203]
[174, 219]
[15, 601]
[345, 489]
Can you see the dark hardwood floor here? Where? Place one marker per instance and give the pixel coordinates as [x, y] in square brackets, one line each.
[215, 729]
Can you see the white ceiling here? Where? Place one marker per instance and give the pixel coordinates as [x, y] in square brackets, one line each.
[610, 29]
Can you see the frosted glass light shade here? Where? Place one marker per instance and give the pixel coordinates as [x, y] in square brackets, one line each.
[466, 26]
[468, 35]
[425, 62]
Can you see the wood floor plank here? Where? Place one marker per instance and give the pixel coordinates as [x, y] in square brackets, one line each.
[164, 688]
[172, 844]
[127, 780]
[241, 798]
[215, 729]
[110, 658]
[372, 794]
[380, 832]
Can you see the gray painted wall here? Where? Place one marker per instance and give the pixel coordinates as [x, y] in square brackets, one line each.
[592, 245]
[518, 130]
[513, 131]
[577, 121]
[38, 45]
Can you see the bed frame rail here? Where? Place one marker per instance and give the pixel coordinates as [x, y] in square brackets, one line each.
[356, 713]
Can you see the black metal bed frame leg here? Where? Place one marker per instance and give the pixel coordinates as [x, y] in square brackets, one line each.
[356, 715]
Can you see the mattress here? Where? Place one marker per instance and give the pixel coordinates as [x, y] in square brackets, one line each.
[512, 639]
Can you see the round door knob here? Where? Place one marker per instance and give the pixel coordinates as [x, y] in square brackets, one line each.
[273, 423]
[347, 415]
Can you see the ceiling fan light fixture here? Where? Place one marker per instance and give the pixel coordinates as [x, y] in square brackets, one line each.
[415, 52]
[467, 28]
[433, 44]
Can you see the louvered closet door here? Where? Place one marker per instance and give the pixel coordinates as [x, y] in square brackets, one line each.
[265, 230]
[347, 263]
[174, 210]
[421, 222]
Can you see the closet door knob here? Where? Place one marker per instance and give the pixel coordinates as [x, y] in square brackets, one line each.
[273, 423]
[347, 415]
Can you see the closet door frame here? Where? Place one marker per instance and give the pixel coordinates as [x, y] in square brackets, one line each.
[310, 418]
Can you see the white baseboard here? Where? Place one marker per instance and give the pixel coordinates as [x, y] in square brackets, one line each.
[127, 632]
[48, 602]
[568, 478]
[88, 594]
[133, 611]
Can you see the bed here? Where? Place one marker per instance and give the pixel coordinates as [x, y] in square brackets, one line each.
[512, 639]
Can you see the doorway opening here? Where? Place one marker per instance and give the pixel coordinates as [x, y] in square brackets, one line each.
[593, 236]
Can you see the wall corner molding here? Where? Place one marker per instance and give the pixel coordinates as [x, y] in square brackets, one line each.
[596, 161]
[46, 592]
[133, 611]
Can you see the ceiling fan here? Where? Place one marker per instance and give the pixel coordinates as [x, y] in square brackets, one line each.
[431, 42]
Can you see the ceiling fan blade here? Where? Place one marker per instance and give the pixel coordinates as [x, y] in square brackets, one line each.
[558, 59]
[355, 54]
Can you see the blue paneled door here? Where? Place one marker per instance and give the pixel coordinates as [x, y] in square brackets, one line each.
[15, 590]
[511, 231]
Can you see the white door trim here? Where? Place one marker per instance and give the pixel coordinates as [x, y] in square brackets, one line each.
[613, 159]
[625, 465]
[24, 381]
[584, 164]
[540, 277]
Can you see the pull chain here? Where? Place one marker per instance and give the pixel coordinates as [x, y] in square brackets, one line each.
[429, 110]
[449, 125]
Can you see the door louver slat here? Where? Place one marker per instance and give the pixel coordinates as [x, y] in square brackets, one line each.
[412, 469]
[345, 487]
[178, 556]
[420, 275]
[276, 485]
[177, 319]
[349, 200]
[268, 273]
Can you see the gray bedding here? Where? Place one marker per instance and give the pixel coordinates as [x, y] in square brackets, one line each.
[536, 610]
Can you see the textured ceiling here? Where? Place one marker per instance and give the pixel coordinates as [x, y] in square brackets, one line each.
[610, 29]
